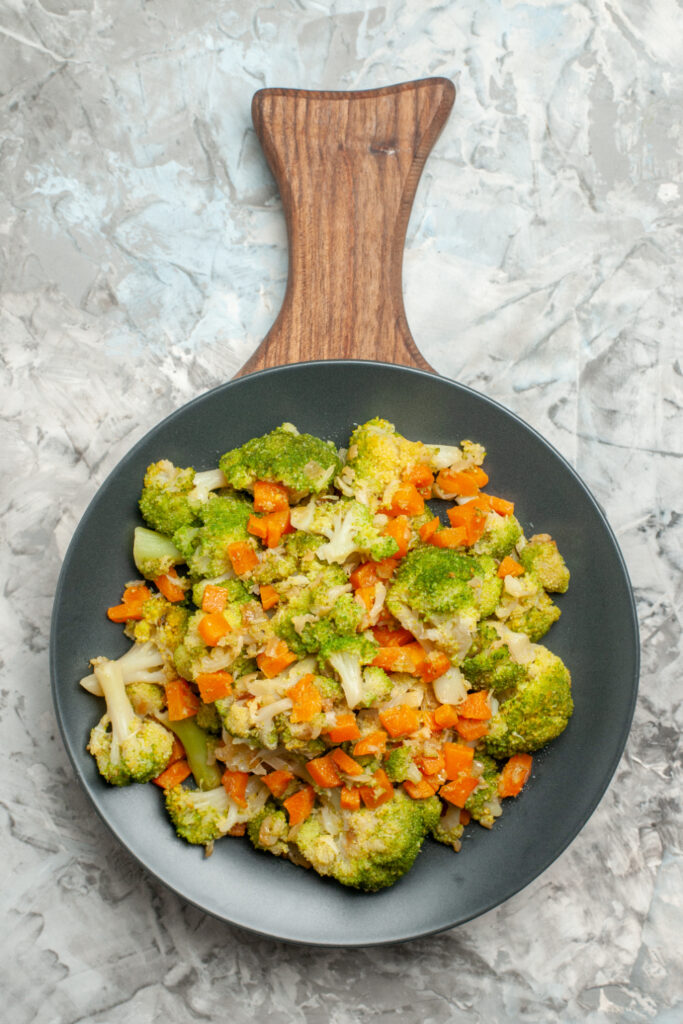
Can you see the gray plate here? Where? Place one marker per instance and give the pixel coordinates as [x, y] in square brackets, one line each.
[596, 636]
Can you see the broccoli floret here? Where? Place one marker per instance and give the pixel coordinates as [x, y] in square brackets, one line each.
[538, 712]
[297, 737]
[448, 829]
[126, 747]
[489, 664]
[500, 536]
[275, 565]
[269, 830]
[346, 655]
[398, 763]
[487, 593]
[153, 553]
[541, 557]
[146, 698]
[349, 527]
[377, 458]
[199, 750]
[377, 687]
[222, 521]
[238, 721]
[456, 457]
[208, 719]
[235, 591]
[329, 689]
[343, 619]
[303, 463]
[484, 803]
[526, 608]
[248, 625]
[141, 663]
[438, 593]
[376, 847]
[163, 623]
[164, 501]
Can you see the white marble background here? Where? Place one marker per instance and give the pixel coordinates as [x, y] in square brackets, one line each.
[142, 257]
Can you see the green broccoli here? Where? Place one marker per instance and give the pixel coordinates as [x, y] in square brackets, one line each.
[236, 592]
[377, 687]
[222, 521]
[346, 655]
[146, 698]
[377, 846]
[153, 553]
[487, 593]
[269, 830]
[127, 748]
[489, 664]
[526, 608]
[398, 763]
[448, 829]
[541, 557]
[164, 501]
[296, 737]
[239, 721]
[438, 593]
[303, 463]
[538, 711]
[249, 627]
[377, 458]
[349, 527]
[207, 718]
[500, 536]
[163, 623]
[484, 803]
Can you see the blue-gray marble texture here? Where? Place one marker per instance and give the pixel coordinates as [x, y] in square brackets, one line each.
[142, 258]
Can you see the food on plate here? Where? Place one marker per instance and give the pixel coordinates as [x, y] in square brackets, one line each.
[324, 664]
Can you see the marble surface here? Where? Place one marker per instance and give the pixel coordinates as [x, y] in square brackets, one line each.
[142, 257]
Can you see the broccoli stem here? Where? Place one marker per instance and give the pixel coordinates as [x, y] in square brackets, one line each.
[196, 743]
[123, 719]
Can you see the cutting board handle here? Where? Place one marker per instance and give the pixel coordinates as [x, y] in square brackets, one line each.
[347, 165]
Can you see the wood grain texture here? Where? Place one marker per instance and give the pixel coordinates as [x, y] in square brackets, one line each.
[347, 165]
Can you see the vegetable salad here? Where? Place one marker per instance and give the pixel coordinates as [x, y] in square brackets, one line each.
[321, 663]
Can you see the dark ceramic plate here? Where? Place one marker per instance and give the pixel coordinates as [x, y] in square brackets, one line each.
[596, 636]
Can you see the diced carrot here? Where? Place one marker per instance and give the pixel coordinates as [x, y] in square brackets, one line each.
[386, 568]
[465, 817]
[270, 497]
[429, 528]
[181, 700]
[173, 775]
[346, 763]
[238, 829]
[458, 758]
[434, 666]
[421, 790]
[373, 743]
[478, 475]
[445, 716]
[406, 658]
[449, 537]
[399, 529]
[471, 728]
[177, 751]
[345, 728]
[400, 720]
[276, 660]
[214, 599]
[514, 775]
[258, 526]
[461, 484]
[366, 596]
[300, 804]
[422, 477]
[428, 720]
[378, 792]
[278, 781]
[212, 628]
[269, 596]
[306, 699]
[509, 567]
[406, 500]
[167, 586]
[277, 524]
[458, 791]
[501, 506]
[214, 685]
[131, 604]
[472, 516]
[349, 798]
[476, 705]
[430, 765]
[324, 772]
[242, 557]
[363, 576]
[387, 636]
[235, 785]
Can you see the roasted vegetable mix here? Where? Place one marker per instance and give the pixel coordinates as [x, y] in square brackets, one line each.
[320, 663]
